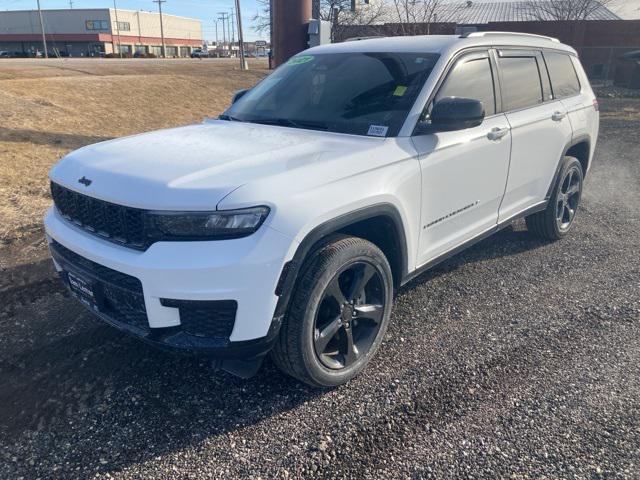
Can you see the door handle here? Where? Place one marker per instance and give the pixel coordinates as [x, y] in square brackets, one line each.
[558, 116]
[497, 134]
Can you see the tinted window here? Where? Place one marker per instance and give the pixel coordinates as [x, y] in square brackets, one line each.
[521, 87]
[564, 80]
[358, 93]
[471, 79]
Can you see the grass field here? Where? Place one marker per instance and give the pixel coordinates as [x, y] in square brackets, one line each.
[49, 108]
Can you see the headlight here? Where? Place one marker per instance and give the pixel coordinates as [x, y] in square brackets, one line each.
[206, 225]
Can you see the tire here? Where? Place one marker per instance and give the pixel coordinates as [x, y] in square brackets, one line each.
[327, 317]
[556, 220]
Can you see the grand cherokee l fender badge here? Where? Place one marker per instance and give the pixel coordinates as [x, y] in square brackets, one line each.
[456, 212]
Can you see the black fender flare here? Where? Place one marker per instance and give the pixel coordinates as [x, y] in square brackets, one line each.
[291, 269]
[575, 141]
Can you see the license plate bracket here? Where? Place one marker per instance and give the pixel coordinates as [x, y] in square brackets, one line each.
[83, 289]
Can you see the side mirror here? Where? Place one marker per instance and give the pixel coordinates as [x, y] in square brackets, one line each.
[238, 95]
[456, 113]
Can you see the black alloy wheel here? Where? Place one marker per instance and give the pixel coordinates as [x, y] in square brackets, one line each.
[339, 312]
[350, 315]
[568, 198]
[556, 220]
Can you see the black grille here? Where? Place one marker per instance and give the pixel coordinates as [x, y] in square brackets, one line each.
[119, 224]
[209, 319]
[120, 295]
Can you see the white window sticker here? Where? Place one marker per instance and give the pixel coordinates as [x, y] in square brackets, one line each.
[377, 131]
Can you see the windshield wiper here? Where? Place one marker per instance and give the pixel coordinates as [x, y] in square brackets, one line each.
[229, 118]
[285, 122]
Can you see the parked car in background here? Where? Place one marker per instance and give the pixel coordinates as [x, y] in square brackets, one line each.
[199, 53]
[5, 54]
[287, 224]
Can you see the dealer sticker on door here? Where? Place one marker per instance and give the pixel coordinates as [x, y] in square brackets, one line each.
[377, 131]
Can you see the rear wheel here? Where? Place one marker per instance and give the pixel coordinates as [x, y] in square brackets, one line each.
[338, 314]
[556, 220]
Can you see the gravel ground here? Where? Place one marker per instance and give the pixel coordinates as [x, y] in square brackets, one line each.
[516, 359]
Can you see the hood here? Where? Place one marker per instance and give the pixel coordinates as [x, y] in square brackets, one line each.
[194, 167]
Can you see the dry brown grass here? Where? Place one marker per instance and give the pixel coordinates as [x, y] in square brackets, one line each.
[50, 108]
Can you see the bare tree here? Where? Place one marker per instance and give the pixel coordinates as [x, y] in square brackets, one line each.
[338, 12]
[415, 17]
[262, 18]
[365, 17]
[563, 9]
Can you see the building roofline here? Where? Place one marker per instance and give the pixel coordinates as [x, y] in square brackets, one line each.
[108, 9]
[54, 10]
[155, 13]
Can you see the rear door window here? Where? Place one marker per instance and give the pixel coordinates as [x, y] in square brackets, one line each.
[564, 79]
[521, 85]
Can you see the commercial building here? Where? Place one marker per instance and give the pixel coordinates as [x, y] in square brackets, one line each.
[95, 32]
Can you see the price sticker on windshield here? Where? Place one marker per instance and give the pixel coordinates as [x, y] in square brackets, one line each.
[377, 131]
[400, 91]
[299, 60]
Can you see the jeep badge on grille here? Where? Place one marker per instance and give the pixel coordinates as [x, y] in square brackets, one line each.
[85, 181]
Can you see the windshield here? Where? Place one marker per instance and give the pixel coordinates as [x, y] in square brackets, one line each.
[357, 93]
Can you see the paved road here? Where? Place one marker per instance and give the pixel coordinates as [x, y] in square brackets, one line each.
[115, 61]
[518, 359]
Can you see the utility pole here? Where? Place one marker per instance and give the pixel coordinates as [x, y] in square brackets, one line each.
[44, 39]
[243, 62]
[115, 8]
[233, 26]
[160, 2]
[223, 17]
[229, 32]
[233, 29]
[71, 4]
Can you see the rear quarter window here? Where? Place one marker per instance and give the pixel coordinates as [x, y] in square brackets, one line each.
[564, 79]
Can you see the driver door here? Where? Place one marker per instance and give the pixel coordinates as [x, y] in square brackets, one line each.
[464, 172]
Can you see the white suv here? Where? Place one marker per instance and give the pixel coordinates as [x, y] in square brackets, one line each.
[286, 224]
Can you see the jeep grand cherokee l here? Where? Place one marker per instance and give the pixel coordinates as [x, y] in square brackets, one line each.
[286, 224]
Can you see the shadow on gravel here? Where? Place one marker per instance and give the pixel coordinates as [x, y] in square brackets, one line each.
[98, 397]
[505, 243]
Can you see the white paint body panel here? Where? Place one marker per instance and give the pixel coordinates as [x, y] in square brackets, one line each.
[245, 269]
[537, 145]
[308, 178]
[461, 170]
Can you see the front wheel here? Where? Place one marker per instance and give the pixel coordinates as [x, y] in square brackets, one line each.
[556, 220]
[338, 314]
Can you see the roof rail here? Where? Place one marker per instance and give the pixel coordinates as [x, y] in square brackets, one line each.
[511, 34]
[358, 39]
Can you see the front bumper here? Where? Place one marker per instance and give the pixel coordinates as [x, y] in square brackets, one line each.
[243, 272]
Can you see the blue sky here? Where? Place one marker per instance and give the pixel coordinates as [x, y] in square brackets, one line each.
[205, 10]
